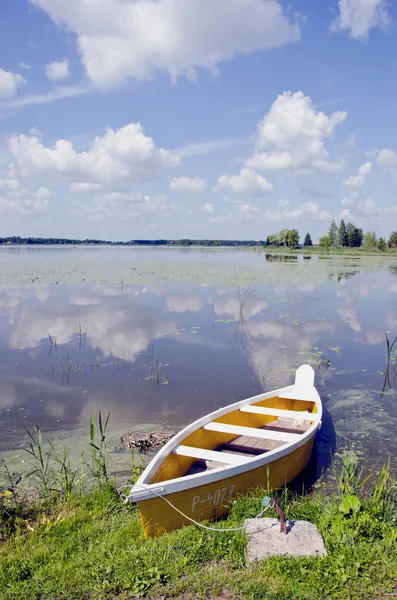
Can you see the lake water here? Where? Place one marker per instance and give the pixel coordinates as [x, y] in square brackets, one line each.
[163, 336]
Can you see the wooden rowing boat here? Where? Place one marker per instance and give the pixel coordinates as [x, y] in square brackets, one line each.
[261, 441]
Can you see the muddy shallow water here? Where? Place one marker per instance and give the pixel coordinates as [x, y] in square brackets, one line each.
[163, 336]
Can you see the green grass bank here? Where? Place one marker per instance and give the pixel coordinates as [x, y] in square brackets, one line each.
[89, 545]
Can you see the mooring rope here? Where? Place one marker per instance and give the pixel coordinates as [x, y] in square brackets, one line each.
[228, 529]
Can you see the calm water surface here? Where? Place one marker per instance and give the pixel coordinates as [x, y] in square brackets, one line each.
[163, 336]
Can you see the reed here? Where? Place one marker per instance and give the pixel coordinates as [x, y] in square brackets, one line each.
[390, 370]
[67, 477]
[99, 450]
[41, 462]
[155, 370]
[243, 332]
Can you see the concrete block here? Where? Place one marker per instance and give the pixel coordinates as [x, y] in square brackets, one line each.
[264, 539]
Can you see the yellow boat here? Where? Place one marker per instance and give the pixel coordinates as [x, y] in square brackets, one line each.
[263, 441]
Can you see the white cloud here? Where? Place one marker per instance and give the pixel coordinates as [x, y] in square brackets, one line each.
[292, 136]
[9, 184]
[355, 183]
[387, 158]
[123, 206]
[357, 201]
[9, 83]
[200, 148]
[85, 186]
[197, 185]
[121, 156]
[360, 16]
[246, 183]
[66, 91]
[247, 211]
[208, 208]
[310, 211]
[25, 66]
[58, 70]
[118, 39]
[19, 202]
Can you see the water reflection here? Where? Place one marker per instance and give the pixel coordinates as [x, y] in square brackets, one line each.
[67, 348]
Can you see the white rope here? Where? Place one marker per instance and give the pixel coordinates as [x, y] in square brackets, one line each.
[123, 496]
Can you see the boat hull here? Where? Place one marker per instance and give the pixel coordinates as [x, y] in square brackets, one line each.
[212, 500]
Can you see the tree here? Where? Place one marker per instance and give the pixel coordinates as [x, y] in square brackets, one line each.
[342, 234]
[293, 238]
[382, 244]
[283, 237]
[332, 234]
[370, 239]
[354, 236]
[308, 240]
[324, 242]
[273, 240]
[393, 240]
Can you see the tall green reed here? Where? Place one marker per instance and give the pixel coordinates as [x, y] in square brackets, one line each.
[99, 450]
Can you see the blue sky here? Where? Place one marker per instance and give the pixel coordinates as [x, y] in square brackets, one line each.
[219, 119]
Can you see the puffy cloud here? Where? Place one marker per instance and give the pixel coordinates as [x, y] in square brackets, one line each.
[246, 183]
[310, 211]
[208, 208]
[118, 39]
[9, 184]
[247, 211]
[355, 183]
[360, 16]
[123, 155]
[9, 83]
[24, 202]
[196, 185]
[292, 136]
[122, 205]
[360, 205]
[58, 70]
[387, 158]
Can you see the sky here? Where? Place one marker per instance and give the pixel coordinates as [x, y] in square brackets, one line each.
[218, 119]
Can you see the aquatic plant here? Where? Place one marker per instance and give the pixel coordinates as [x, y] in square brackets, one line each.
[137, 467]
[41, 462]
[12, 480]
[390, 370]
[243, 332]
[68, 477]
[350, 474]
[99, 450]
[155, 369]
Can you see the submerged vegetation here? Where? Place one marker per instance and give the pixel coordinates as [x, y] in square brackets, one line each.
[88, 544]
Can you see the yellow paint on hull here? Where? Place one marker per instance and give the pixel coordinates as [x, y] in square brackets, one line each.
[212, 500]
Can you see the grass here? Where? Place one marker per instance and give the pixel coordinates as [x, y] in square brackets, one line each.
[91, 546]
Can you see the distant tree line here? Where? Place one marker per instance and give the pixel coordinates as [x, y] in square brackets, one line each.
[347, 235]
[17, 240]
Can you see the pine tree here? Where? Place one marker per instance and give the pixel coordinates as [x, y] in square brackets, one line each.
[342, 234]
[308, 240]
